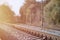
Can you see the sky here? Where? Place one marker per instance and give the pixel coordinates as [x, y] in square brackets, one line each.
[40, 0]
[14, 5]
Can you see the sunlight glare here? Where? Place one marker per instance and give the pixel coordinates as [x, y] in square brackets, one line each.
[40, 0]
[13, 4]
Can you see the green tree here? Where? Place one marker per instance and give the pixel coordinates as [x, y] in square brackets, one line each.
[52, 12]
[6, 15]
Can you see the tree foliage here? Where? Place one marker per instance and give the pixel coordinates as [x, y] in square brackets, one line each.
[52, 12]
[6, 15]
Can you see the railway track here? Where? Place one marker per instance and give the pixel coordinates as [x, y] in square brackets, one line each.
[38, 32]
[7, 32]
